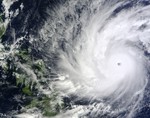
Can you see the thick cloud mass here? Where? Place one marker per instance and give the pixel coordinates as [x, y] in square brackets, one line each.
[104, 52]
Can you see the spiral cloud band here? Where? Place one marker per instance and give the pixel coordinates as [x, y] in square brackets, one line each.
[105, 52]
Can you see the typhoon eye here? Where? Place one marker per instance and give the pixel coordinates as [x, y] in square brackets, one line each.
[119, 64]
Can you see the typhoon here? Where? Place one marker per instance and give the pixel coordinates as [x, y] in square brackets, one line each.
[104, 55]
